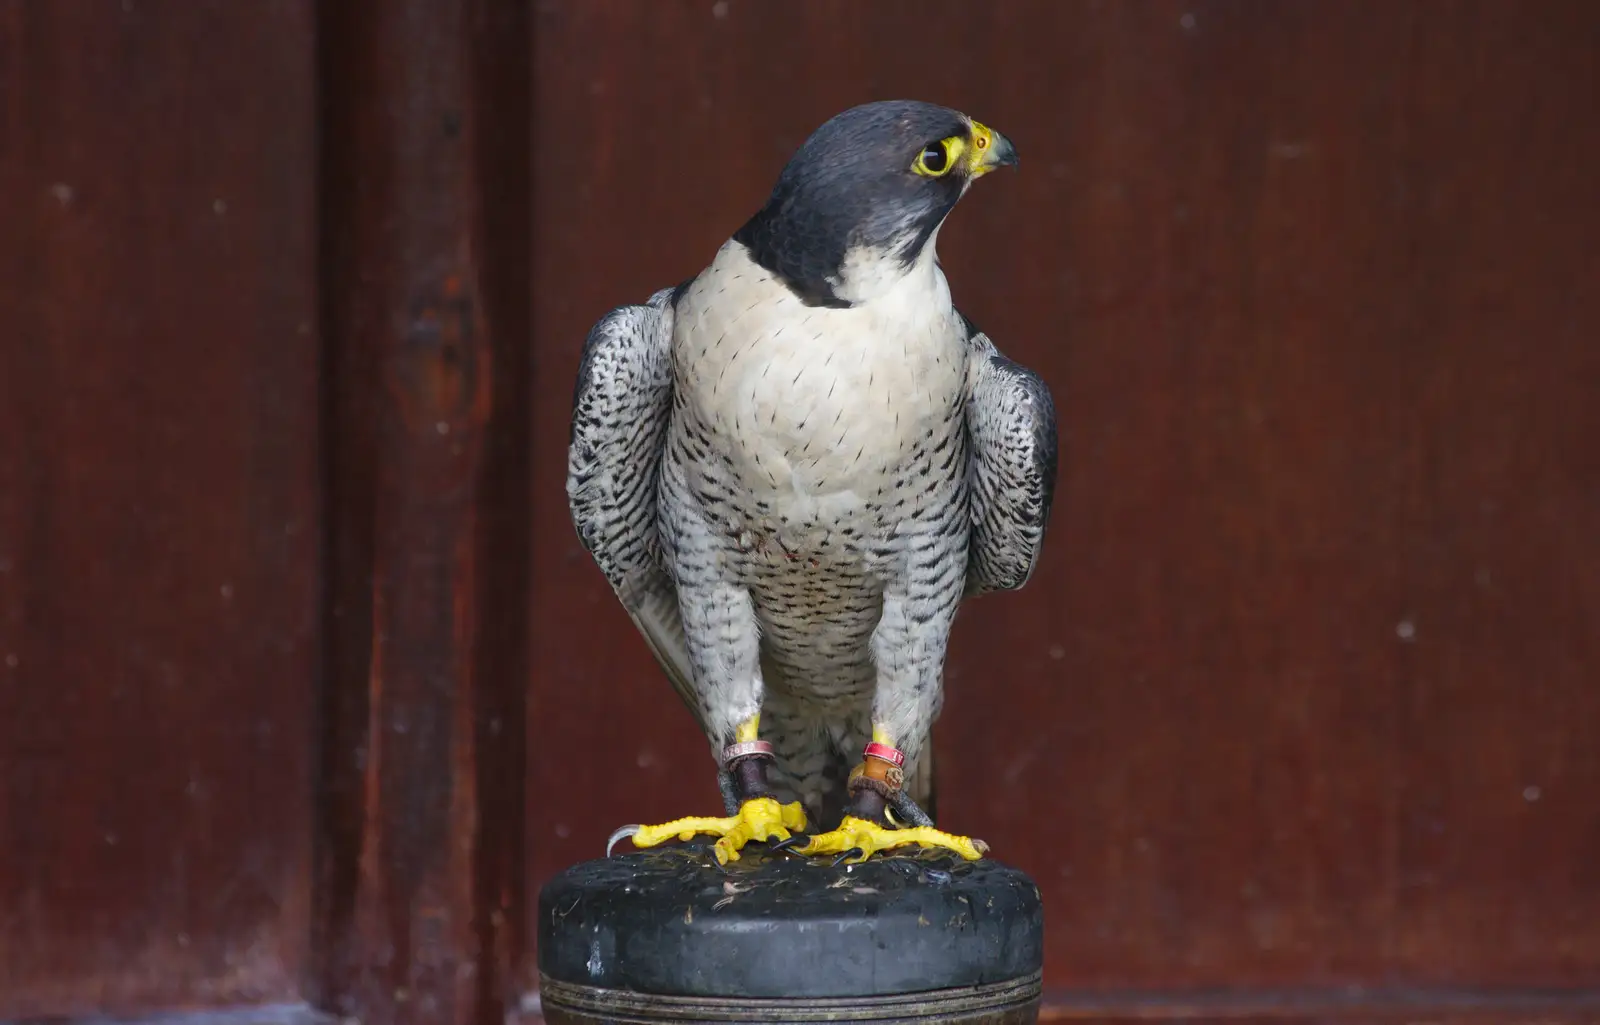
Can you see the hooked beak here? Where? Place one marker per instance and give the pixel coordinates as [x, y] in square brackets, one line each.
[990, 150]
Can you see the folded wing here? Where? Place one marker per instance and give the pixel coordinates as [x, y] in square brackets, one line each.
[1011, 423]
[620, 410]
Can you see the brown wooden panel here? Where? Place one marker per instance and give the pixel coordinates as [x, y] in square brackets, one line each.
[1303, 691]
[159, 503]
[1497, 846]
[425, 260]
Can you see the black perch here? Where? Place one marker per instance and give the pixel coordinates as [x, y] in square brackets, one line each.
[668, 935]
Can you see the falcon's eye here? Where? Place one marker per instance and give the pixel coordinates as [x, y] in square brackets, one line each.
[937, 159]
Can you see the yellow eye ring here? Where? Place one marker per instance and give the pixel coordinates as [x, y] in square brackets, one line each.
[938, 159]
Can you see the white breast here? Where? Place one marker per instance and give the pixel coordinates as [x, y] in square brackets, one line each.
[817, 408]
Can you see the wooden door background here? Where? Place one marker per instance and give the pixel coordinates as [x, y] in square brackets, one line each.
[306, 685]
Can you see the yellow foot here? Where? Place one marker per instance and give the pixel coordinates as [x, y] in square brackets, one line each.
[761, 818]
[868, 838]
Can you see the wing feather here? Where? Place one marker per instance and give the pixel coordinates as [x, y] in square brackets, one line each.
[1011, 424]
[621, 407]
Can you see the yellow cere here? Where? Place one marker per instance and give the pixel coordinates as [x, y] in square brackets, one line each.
[982, 140]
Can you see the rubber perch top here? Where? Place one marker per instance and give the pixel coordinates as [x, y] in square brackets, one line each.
[672, 921]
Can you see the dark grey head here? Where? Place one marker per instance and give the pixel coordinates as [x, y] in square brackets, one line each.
[874, 182]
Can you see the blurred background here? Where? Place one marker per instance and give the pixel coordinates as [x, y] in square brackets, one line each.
[306, 685]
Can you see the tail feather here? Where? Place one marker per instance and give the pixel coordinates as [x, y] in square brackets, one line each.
[919, 782]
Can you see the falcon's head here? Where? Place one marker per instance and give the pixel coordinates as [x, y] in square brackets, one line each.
[860, 202]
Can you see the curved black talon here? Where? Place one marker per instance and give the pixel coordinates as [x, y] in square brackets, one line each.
[795, 840]
[906, 809]
[853, 852]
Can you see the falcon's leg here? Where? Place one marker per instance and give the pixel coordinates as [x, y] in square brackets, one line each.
[724, 647]
[728, 783]
[908, 647]
[866, 828]
[754, 813]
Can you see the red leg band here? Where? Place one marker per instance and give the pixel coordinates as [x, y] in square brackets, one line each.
[883, 752]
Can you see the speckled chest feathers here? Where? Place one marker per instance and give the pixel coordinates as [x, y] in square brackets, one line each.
[814, 454]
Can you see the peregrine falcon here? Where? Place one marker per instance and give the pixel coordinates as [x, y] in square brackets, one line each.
[792, 469]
